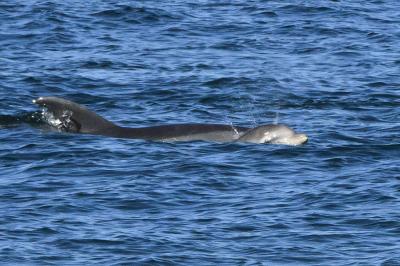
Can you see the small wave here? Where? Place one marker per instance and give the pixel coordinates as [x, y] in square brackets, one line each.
[224, 81]
[379, 37]
[32, 80]
[228, 45]
[377, 84]
[135, 14]
[347, 54]
[306, 9]
[310, 50]
[259, 12]
[58, 38]
[269, 14]
[97, 64]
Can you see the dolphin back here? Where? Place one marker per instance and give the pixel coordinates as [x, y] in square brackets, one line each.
[74, 117]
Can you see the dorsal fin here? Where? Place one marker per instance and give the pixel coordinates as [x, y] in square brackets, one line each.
[83, 120]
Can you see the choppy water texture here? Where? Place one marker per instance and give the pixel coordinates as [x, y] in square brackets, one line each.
[327, 68]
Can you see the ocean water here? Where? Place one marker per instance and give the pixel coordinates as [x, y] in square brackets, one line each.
[330, 69]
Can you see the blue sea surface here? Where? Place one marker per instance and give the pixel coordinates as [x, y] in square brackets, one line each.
[330, 69]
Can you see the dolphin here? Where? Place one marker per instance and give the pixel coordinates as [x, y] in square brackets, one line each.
[274, 134]
[75, 118]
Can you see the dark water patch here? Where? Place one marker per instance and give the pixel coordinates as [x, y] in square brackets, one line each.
[57, 38]
[391, 262]
[11, 7]
[100, 64]
[241, 228]
[227, 81]
[133, 205]
[379, 37]
[378, 84]
[346, 54]
[45, 231]
[304, 9]
[309, 50]
[133, 14]
[269, 14]
[32, 80]
[228, 45]
[48, 186]
[332, 32]
[19, 36]
[92, 241]
[376, 223]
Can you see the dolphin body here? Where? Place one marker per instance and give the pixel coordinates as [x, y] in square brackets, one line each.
[75, 118]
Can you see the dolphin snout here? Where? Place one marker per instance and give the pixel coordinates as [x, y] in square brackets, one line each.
[302, 138]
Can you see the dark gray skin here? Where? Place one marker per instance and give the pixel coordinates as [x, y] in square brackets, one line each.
[76, 118]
